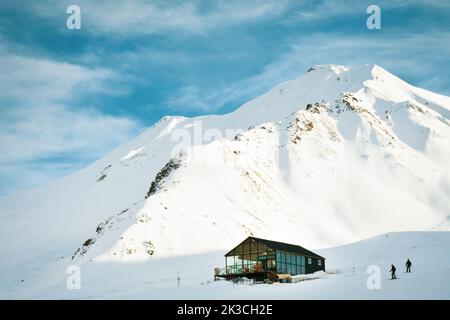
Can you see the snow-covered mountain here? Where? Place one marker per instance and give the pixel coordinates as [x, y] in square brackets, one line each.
[338, 155]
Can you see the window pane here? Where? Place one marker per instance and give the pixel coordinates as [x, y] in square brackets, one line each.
[262, 257]
[278, 256]
[230, 261]
[271, 264]
[288, 258]
[279, 267]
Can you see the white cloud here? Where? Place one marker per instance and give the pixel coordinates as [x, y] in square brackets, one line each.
[196, 98]
[40, 80]
[322, 10]
[155, 17]
[35, 132]
[39, 118]
[388, 52]
[411, 55]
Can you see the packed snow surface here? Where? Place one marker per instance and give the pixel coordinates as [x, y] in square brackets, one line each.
[349, 269]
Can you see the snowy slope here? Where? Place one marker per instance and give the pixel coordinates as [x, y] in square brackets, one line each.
[346, 276]
[335, 156]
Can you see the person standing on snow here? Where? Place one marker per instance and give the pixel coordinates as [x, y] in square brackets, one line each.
[408, 266]
[392, 271]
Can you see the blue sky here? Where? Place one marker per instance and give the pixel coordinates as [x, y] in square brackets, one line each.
[68, 97]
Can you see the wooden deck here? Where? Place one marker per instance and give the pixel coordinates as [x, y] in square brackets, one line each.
[258, 276]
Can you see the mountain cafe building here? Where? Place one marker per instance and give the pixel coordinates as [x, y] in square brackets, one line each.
[261, 259]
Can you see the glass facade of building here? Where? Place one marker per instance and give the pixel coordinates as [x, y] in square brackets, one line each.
[290, 263]
[252, 256]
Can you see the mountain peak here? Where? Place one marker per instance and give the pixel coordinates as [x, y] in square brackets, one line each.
[321, 83]
[331, 67]
[367, 69]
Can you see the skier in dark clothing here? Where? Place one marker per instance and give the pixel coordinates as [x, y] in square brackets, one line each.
[393, 272]
[408, 266]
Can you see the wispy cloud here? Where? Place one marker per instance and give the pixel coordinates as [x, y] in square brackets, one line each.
[141, 17]
[322, 10]
[40, 117]
[415, 60]
[204, 99]
[330, 48]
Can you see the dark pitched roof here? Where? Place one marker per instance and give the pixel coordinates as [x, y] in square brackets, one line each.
[285, 247]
